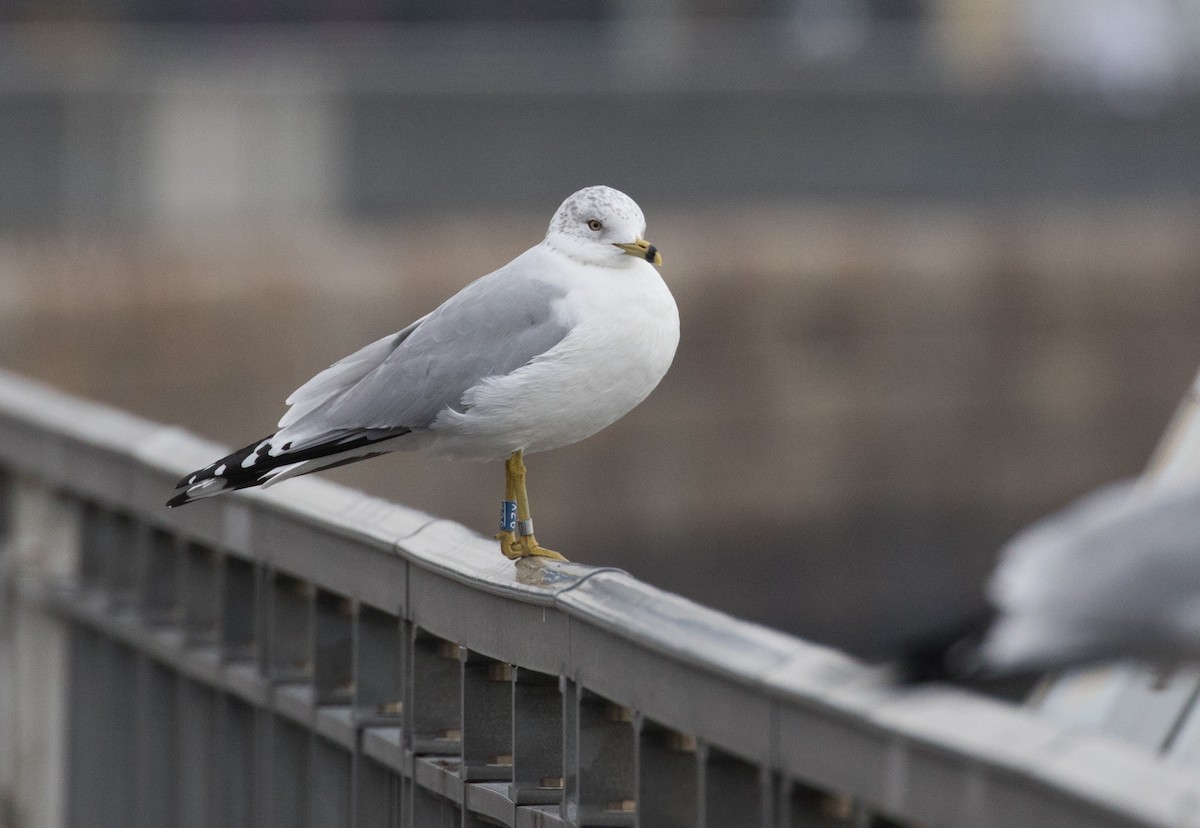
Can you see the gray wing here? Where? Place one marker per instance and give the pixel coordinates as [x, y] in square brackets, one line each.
[1109, 576]
[342, 376]
[490, 328]
[1069, 551]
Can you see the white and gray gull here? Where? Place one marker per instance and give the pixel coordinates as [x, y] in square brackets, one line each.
[560, 342]
[1111, 577]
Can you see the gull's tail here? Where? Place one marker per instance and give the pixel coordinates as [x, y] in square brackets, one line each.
[261, 463]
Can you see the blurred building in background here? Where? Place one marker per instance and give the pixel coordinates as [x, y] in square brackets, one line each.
[937, 260]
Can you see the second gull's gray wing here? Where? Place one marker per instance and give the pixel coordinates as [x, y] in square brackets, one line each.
[492, 327]
[1111, 576]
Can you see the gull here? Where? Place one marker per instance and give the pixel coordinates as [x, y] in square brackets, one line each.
[560, 342]
[1111, 577]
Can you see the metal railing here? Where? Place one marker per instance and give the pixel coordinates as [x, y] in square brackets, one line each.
[311, 656]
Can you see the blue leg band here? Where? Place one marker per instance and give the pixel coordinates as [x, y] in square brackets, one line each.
[508, 515]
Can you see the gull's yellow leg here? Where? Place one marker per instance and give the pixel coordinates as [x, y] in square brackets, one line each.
[526, 544]
[507, 537]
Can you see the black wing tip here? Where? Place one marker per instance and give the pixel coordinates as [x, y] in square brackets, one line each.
[949, 655]
[198, 476]
[925, 666]
[236, 472]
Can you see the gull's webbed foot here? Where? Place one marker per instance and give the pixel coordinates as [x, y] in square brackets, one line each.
[527, 546]
[508, 545]
[515, 548]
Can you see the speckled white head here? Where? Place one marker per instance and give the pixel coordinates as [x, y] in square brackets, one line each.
[601, 226]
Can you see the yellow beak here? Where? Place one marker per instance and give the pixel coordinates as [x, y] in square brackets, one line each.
[643, 250]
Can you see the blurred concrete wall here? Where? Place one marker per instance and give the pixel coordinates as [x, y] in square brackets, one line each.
[131, 125]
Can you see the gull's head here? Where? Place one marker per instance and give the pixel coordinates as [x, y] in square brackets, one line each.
[601, 226]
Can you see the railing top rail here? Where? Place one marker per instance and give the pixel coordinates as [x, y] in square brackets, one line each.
[803, 710]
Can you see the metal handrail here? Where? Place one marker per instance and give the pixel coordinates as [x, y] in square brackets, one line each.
[368, 664]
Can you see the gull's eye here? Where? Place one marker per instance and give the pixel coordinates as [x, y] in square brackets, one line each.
[594, 225]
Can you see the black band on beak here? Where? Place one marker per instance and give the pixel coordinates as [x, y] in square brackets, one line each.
[651, 252]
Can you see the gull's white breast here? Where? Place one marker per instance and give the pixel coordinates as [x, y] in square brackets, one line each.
[624, 331]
